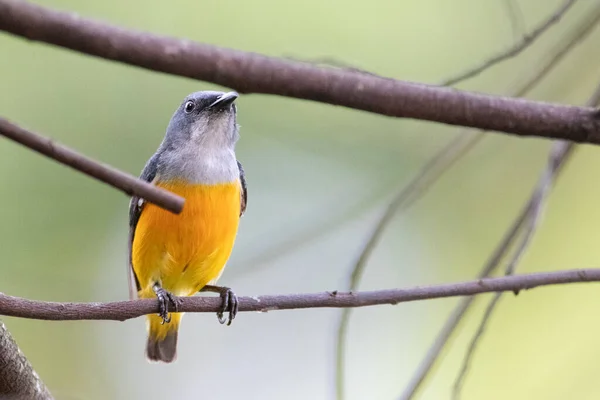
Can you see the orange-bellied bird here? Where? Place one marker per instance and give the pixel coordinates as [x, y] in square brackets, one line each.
[179, 255]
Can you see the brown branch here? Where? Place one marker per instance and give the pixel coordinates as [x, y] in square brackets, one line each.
[254, 73]
[18, 380]
[124, 310]
[104, 173]
[518, 47]
[580, 32]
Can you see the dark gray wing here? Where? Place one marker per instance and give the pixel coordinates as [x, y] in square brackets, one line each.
[136, 205]
[244, 189]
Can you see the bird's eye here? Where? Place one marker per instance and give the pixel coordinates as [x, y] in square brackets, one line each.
[189, 107]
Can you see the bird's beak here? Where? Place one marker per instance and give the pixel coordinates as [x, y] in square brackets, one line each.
[224, 100]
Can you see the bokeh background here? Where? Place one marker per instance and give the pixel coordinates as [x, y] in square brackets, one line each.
[319, 176]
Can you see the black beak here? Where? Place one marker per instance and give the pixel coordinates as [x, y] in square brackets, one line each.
[224, 100]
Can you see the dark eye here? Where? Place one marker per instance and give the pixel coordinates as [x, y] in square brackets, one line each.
[189, 106]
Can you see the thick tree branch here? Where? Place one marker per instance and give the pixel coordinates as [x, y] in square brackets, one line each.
[18, 380]
[124, 310]
[104, 173]
[254, 73]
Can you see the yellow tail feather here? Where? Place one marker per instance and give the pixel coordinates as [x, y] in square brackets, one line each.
[162, 338]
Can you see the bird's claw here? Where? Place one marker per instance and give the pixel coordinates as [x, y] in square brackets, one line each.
[230, 304]
[164, 298]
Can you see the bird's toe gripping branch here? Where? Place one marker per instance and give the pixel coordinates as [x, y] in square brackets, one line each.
[164, 298]
[230, 302]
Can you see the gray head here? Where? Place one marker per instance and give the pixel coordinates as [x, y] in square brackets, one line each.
[206, 119]
[200, 140]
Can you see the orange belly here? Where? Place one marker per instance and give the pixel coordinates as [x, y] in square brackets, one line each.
[185, 252]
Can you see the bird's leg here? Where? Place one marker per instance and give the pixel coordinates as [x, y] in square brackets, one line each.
[164, 298]
[230, 302]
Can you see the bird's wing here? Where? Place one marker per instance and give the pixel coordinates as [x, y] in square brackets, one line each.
[136, 205]
[244, 192]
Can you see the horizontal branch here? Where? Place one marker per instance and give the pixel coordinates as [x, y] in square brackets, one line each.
[124, 310]
[255, 73]
[111, 176]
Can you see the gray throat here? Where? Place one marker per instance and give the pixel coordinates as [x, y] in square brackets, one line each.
[197, 165]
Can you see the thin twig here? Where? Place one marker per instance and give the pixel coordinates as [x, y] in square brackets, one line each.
[515, 15]
[457, 387]
[559, 155]
[104, 173]
[18, 380]
[580, 32]
[124, 310]
[518, 47]
[254, 73]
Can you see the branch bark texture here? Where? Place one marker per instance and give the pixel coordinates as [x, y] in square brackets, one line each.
[124, 310]
[18, 380]
[254, 73]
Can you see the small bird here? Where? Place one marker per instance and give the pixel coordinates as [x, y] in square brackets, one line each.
[179, 255]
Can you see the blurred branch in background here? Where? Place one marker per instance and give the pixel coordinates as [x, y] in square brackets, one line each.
[124, 310]
[426, 177]
[18, 380]
[255, 73]
[579, 33]
[104, 173]
[559, 155]
[515, 15]
[517, 48]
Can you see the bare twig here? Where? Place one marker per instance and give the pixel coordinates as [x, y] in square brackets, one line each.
[124, 310]
[254, 73]
[580, 32]
[111, 176]
[18, 380]
[518, 47]
[559, 154]
[515, 15]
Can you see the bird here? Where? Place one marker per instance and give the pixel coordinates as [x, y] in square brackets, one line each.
[174, 255]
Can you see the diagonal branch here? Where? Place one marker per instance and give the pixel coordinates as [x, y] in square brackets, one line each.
[111, 176]
[18, 380]
[124, 310]
[518, 47]
[255, 73]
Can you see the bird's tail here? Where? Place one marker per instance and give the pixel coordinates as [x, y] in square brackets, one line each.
[162, 338]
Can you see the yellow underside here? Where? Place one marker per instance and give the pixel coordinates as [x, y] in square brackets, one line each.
[185, 252]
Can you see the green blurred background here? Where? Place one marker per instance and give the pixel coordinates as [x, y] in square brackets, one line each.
[319, 176]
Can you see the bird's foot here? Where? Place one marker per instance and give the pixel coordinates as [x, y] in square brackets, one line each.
[164, 298]
[230, 302]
